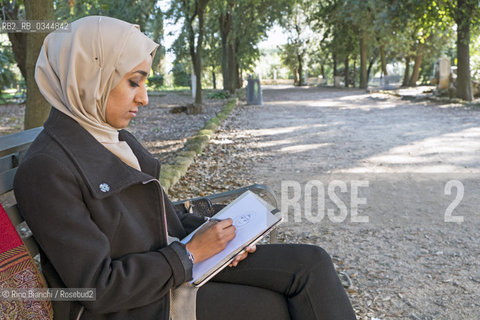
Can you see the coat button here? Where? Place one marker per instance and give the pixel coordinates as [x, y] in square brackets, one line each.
[104, 187]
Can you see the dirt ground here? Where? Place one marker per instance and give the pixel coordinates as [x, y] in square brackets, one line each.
[411, 167]
[421, 161]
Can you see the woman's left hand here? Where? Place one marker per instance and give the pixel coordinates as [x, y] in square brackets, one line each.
[250, 249]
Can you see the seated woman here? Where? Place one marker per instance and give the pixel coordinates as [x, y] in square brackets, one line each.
[90, 194]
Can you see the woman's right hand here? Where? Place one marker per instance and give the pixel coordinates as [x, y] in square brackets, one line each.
[211, 239]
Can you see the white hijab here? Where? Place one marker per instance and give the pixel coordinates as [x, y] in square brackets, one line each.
[76, 71]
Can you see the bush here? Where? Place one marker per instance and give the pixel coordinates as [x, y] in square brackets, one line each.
[181, 78]
[220, 94]
[156, 81]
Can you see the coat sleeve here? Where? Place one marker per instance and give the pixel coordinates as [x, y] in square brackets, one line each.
[50, 198]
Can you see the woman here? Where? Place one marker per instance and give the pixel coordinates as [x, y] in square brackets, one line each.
[88, 191]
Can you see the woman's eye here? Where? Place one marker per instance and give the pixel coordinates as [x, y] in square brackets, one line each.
[133, 83]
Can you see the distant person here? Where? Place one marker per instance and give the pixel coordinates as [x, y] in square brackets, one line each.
[90, 194]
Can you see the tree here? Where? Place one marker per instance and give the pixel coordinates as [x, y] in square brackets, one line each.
[7, 77]
[13, 10]
[146, 13]
[192, 12]
[346, 22]
[155, 29]
[212, 53]
[288, 55]
[225, 21]
[37, 108]
[182, 65]
[26, 47]
[299, 36]
[418, 30]
[242, 24]
[464, 14]
[140, 12]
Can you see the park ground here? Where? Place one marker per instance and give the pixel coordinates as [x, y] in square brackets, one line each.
[411, 260]
[409, 245]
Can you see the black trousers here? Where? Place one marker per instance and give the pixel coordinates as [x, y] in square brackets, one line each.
[279, 281]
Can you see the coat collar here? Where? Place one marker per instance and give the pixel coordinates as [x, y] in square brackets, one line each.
[103, 172]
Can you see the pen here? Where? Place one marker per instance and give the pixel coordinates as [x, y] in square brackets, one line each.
[213, 219]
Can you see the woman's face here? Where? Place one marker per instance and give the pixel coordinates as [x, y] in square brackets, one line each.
[124, 100]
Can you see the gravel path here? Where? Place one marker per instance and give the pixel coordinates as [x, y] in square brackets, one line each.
[408, 261]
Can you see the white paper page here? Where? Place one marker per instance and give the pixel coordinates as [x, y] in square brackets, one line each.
[250, 217]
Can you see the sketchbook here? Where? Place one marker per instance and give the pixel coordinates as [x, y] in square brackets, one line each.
[253, 219]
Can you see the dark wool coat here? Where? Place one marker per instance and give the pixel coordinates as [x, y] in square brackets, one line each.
[101, 223]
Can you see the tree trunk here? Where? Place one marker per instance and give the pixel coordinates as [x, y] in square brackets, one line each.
[370, 65]
[239, 78]
[37, 108]
[383, 60]
[334, 58]
[296, 81]
[214, 78]
[225, 29]
[18, 39]
[196, 46]
[322, 70]
[232, 71]
[202, 5]
[347, 80]
[224, 60]
[355, 72]
[416, 65]
[363, 63]
[301, 81]
[197, 70]
[464, 82]
[406, 75]
[238, 73]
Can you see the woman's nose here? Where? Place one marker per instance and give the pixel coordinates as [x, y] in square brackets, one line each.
[142, 97]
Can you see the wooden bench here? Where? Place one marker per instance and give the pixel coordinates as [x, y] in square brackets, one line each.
[12, 150]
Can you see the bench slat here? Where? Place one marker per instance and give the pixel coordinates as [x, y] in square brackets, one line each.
[6, 180]
[18, 141]
[8, 162]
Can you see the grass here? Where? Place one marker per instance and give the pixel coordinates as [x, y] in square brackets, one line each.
[169, 89]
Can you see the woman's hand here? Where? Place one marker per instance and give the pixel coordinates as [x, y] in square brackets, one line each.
[211, 239]
[239, 257]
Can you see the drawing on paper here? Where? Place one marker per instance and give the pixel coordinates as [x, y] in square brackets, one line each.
[243, 220]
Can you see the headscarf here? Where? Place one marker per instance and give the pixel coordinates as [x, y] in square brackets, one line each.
[76, 71]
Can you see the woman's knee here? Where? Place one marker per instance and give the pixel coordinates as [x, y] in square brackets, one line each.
[311, 254]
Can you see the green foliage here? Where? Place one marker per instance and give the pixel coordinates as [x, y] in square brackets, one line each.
[156, 81]
[7, 76]
[475, 61]
[252, 19]
[181, 75]
[134, 11]
[218, 94]
[146, 13]
[241, 25]
[296, 52]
